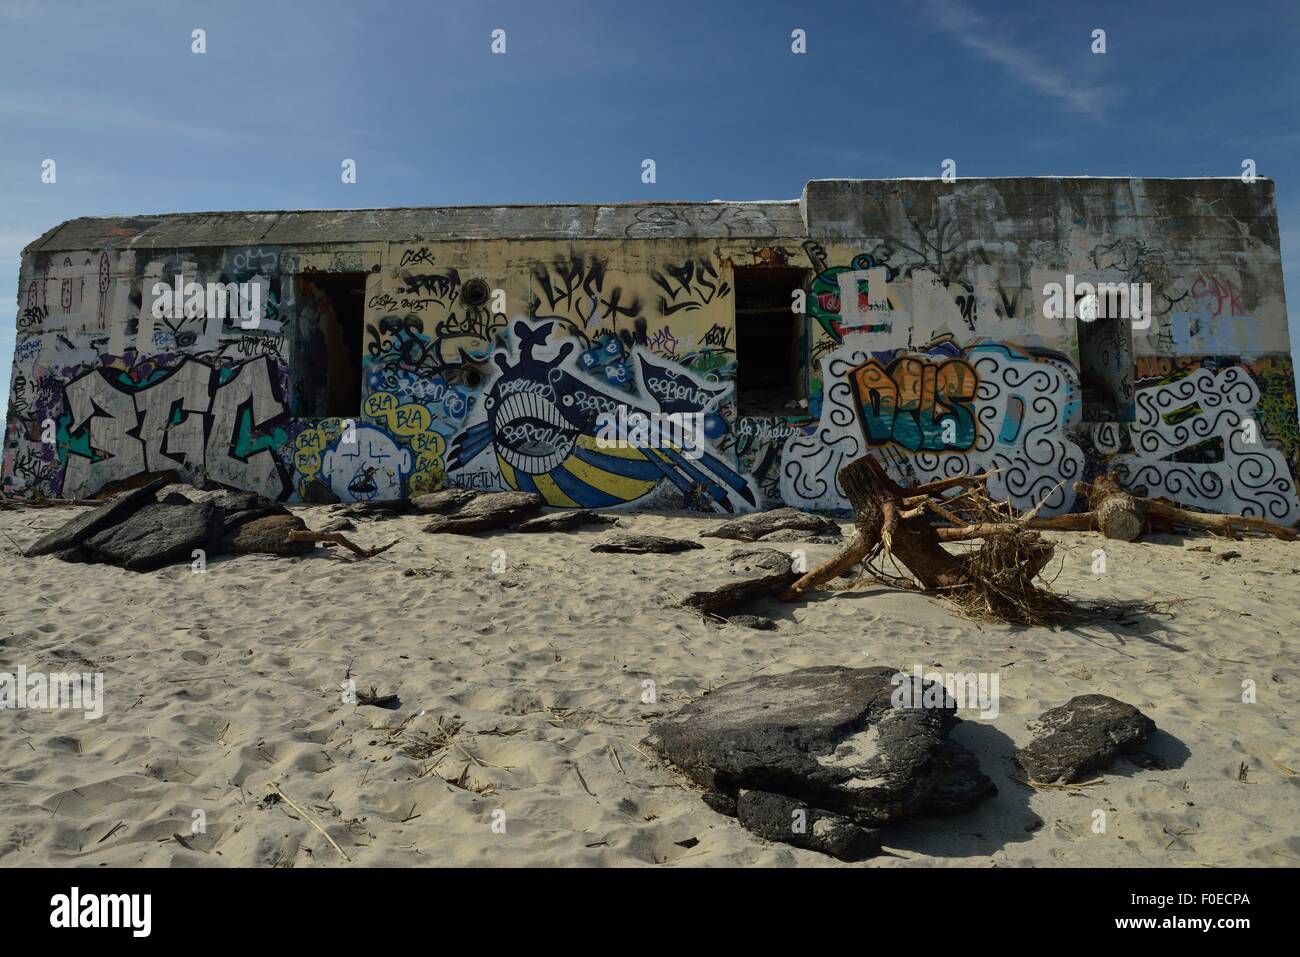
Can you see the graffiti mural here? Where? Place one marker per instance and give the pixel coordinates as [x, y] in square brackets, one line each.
[919, 404]
[199, 419]
[1002, 409]
[539, 424]
[1199, 439]
[455, 356]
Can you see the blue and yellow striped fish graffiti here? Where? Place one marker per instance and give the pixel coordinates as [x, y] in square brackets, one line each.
[541, 418]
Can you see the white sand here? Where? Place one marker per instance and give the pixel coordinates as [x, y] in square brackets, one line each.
[219, 684]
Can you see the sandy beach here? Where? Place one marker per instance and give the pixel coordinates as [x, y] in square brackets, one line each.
[224, 704]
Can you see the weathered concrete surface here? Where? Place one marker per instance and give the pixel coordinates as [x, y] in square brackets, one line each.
[1083, 735]
[418, 224]
[1206, 248]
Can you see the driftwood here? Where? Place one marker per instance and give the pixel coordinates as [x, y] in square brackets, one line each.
[886, 522]
[1227, 524]
[338, 539]
[1120, 516]
[1125, 515]
[995, 580]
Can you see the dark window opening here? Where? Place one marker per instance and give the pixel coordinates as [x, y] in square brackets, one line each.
[769, 341]
[328, 339]
[1106, 367]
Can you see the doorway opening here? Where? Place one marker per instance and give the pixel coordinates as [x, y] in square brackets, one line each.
[769, 341]
[329, 339]
[1106, 367]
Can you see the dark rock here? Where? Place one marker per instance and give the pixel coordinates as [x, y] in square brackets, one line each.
[962, 785]
[757, 622]
[566, 520]
[442, 502]
[240, 508]
[237, 507]
[794, 535]
[339, 525]
[829, 737]
[316, 492]
[780, 818]
[721, 802]
[633, 544]
[159, 535]
[268, 535]
[78, 529]
[1083, 735]
[380, 508]
[488, 511]
[138, 480]
[754, 573]
[77, 555]
[752, 527]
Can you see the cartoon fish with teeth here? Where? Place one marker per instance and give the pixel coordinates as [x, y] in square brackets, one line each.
[543, 422]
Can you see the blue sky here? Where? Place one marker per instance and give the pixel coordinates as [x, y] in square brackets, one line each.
[586, 90]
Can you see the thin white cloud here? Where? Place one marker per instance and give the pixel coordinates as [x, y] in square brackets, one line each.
[982, 36]
[36, 109]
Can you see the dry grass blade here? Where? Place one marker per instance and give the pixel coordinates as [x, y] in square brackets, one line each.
[312, 821]
[422, 746]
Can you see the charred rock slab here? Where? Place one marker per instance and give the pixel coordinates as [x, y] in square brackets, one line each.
[566, 521]
[82, 527]
[158, 535]
[442, 502]
[485, 512]
[754, 573]
[380, 508]
[793, 535]
[830, 738]
[634, 544]
[1083, 735]
[963, 784]
[777, 817]
[819, 757]
[752, 527]
[237, 507]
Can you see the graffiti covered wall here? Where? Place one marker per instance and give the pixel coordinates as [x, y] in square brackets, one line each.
[486, 360]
